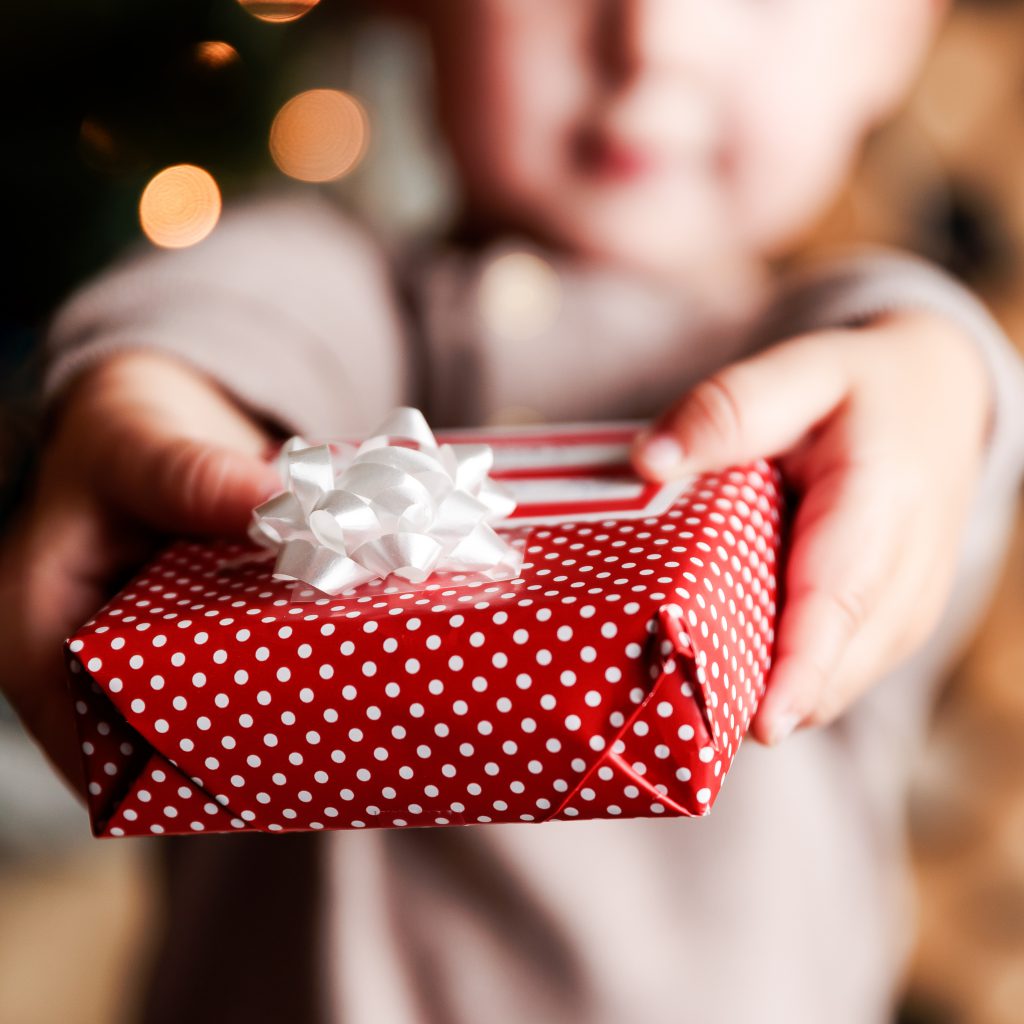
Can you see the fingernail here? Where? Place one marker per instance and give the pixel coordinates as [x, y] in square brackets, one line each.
[663, 455]
[782, 727]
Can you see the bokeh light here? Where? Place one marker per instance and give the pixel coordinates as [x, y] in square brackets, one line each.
[278, 10]
[520, 295]
[319, 135]
[180, 206]
[215, 54]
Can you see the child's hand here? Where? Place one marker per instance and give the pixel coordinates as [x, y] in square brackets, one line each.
[142, 444]
[881, 431]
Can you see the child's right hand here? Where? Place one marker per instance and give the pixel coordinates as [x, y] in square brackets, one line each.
[882, 430]
[142, 444]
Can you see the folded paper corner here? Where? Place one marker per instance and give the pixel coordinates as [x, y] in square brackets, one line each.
[675, 651]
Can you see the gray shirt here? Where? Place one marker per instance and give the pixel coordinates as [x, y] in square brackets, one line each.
[788, 903]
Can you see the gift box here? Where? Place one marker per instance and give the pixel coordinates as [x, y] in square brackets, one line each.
[613, 675]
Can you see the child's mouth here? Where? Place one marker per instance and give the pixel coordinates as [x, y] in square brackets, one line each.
[613, 160]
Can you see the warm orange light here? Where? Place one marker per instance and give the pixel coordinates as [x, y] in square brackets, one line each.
[179, 207]
[215, 54]
[278, 10]
[319, 135]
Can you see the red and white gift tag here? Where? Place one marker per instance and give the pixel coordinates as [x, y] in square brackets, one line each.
[615, 676]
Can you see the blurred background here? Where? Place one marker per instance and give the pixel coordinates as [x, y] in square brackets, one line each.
[128, 124]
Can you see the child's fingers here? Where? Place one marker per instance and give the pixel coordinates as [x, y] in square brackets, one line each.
[50, 584]
[761, 406]
[164, 446]
[50, 721]
[843, 549]
[917, 590]
[185, 485]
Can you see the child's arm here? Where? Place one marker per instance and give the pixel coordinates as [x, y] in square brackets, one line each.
[162, 374]
[897, 434]
[287, 304]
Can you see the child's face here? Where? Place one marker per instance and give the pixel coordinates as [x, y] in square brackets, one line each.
[662, 133]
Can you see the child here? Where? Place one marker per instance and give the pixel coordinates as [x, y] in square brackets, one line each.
[655, 155]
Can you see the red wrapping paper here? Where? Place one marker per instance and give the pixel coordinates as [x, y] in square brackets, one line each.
[615, 677]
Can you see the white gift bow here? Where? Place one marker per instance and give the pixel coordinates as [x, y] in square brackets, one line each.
[399, 504]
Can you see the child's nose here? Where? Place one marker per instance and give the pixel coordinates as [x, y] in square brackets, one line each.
[644, 36]
[658, 63]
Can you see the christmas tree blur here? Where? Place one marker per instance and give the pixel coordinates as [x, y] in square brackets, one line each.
[101, 96]
[117, 115]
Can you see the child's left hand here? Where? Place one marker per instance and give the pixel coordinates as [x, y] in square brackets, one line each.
[881, 430]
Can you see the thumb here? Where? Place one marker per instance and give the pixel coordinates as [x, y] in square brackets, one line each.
[761, 406]
[186, 485]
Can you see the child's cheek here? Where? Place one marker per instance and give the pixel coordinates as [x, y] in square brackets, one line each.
[512, 110]
[779, 174]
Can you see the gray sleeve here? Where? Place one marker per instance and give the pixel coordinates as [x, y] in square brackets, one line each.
[864, 284]
[287, 305]
[886, 726]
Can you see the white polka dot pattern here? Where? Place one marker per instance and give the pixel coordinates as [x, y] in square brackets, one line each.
[614, 678]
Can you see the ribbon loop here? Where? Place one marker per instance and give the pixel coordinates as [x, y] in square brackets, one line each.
[399, 504]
